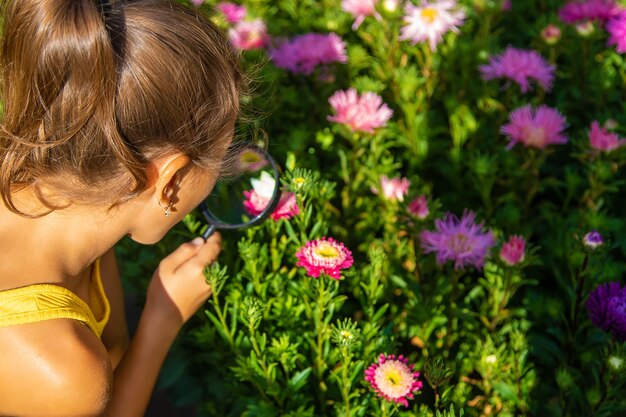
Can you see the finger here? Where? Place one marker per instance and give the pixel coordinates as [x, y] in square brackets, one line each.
[208, 253]
[215, 238]
[181, 255]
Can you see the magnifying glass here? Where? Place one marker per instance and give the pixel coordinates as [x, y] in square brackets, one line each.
[247, 193]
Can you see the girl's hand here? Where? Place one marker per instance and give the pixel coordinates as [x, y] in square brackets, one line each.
[178, 287]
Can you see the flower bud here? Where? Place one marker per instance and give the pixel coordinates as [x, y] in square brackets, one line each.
[551, 34]
[585, 29]
[513, 251]
[593, 239]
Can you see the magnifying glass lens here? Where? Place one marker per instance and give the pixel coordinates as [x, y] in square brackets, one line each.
[247, 191]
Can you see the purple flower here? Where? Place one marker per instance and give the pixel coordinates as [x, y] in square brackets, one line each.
[579, 11]
[458, 240]
[521, 66]
[606, 307]
[593, 239]
[601, 140]
[302, 54]
[535, 128]
[617, 32]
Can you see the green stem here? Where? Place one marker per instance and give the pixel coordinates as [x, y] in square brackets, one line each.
[345, 385]
[580, 284]
[222, 318]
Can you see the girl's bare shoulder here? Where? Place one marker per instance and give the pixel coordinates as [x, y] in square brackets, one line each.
[53, 368]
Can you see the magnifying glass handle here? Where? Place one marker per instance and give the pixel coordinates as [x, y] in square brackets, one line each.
[209, 231]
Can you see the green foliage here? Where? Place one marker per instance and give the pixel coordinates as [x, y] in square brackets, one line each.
[504, 340]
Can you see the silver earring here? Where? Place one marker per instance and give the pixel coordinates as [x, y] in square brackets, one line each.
[168, 208]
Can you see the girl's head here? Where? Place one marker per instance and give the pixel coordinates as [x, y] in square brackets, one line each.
[95, 92]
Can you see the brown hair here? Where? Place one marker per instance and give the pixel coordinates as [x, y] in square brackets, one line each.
[93, 91]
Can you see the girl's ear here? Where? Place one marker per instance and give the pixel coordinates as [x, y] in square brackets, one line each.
[167, 174]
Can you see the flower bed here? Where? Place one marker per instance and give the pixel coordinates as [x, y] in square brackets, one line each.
[457, 172]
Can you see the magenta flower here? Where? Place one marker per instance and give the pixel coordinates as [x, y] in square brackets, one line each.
[393, 379]
[580, 11]
[248, 34]
[535, 128]
[419, 207]
[602, 140]
[521, 66]
[324, 256]
[506, 5]
[430, 21]
[259, 197]
[361, 113]
[302, 54]
[593, 239]
[513, 251]
[458, 240]
[233, 13]
[393, 189]
[617, 32]
[551, 34]
[360, 9]
[606, 307]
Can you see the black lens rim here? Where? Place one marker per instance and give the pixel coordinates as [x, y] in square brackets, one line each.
[216, 224]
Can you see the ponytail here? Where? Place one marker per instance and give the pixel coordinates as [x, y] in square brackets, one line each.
[59, 87]
[93, 89]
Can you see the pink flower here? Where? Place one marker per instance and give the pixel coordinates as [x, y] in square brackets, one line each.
[578, 11]
[535, 128]
[360, 9]
[617, 32]
[506, 5]
[259, 197]
[551, 34]
[394, 189]
[324, 256]
[430, 21]
[419, 207]
[458, 240]
[393, 379]
[363, 114]
[197, 3]
[601, 140]
[248, 34]
[513, 251]
[302, 54]
[521, 66]
[233, 12]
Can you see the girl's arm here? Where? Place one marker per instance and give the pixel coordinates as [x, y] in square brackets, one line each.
[178, 288]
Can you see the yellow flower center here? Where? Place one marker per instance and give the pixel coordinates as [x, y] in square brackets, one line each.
[299, 181]
[429, 14]
[346, 335]
[327, 251]
[393, 376]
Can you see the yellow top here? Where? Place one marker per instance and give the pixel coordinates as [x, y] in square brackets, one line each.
[39, 302]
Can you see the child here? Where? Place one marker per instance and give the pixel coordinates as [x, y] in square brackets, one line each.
[117, 116]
